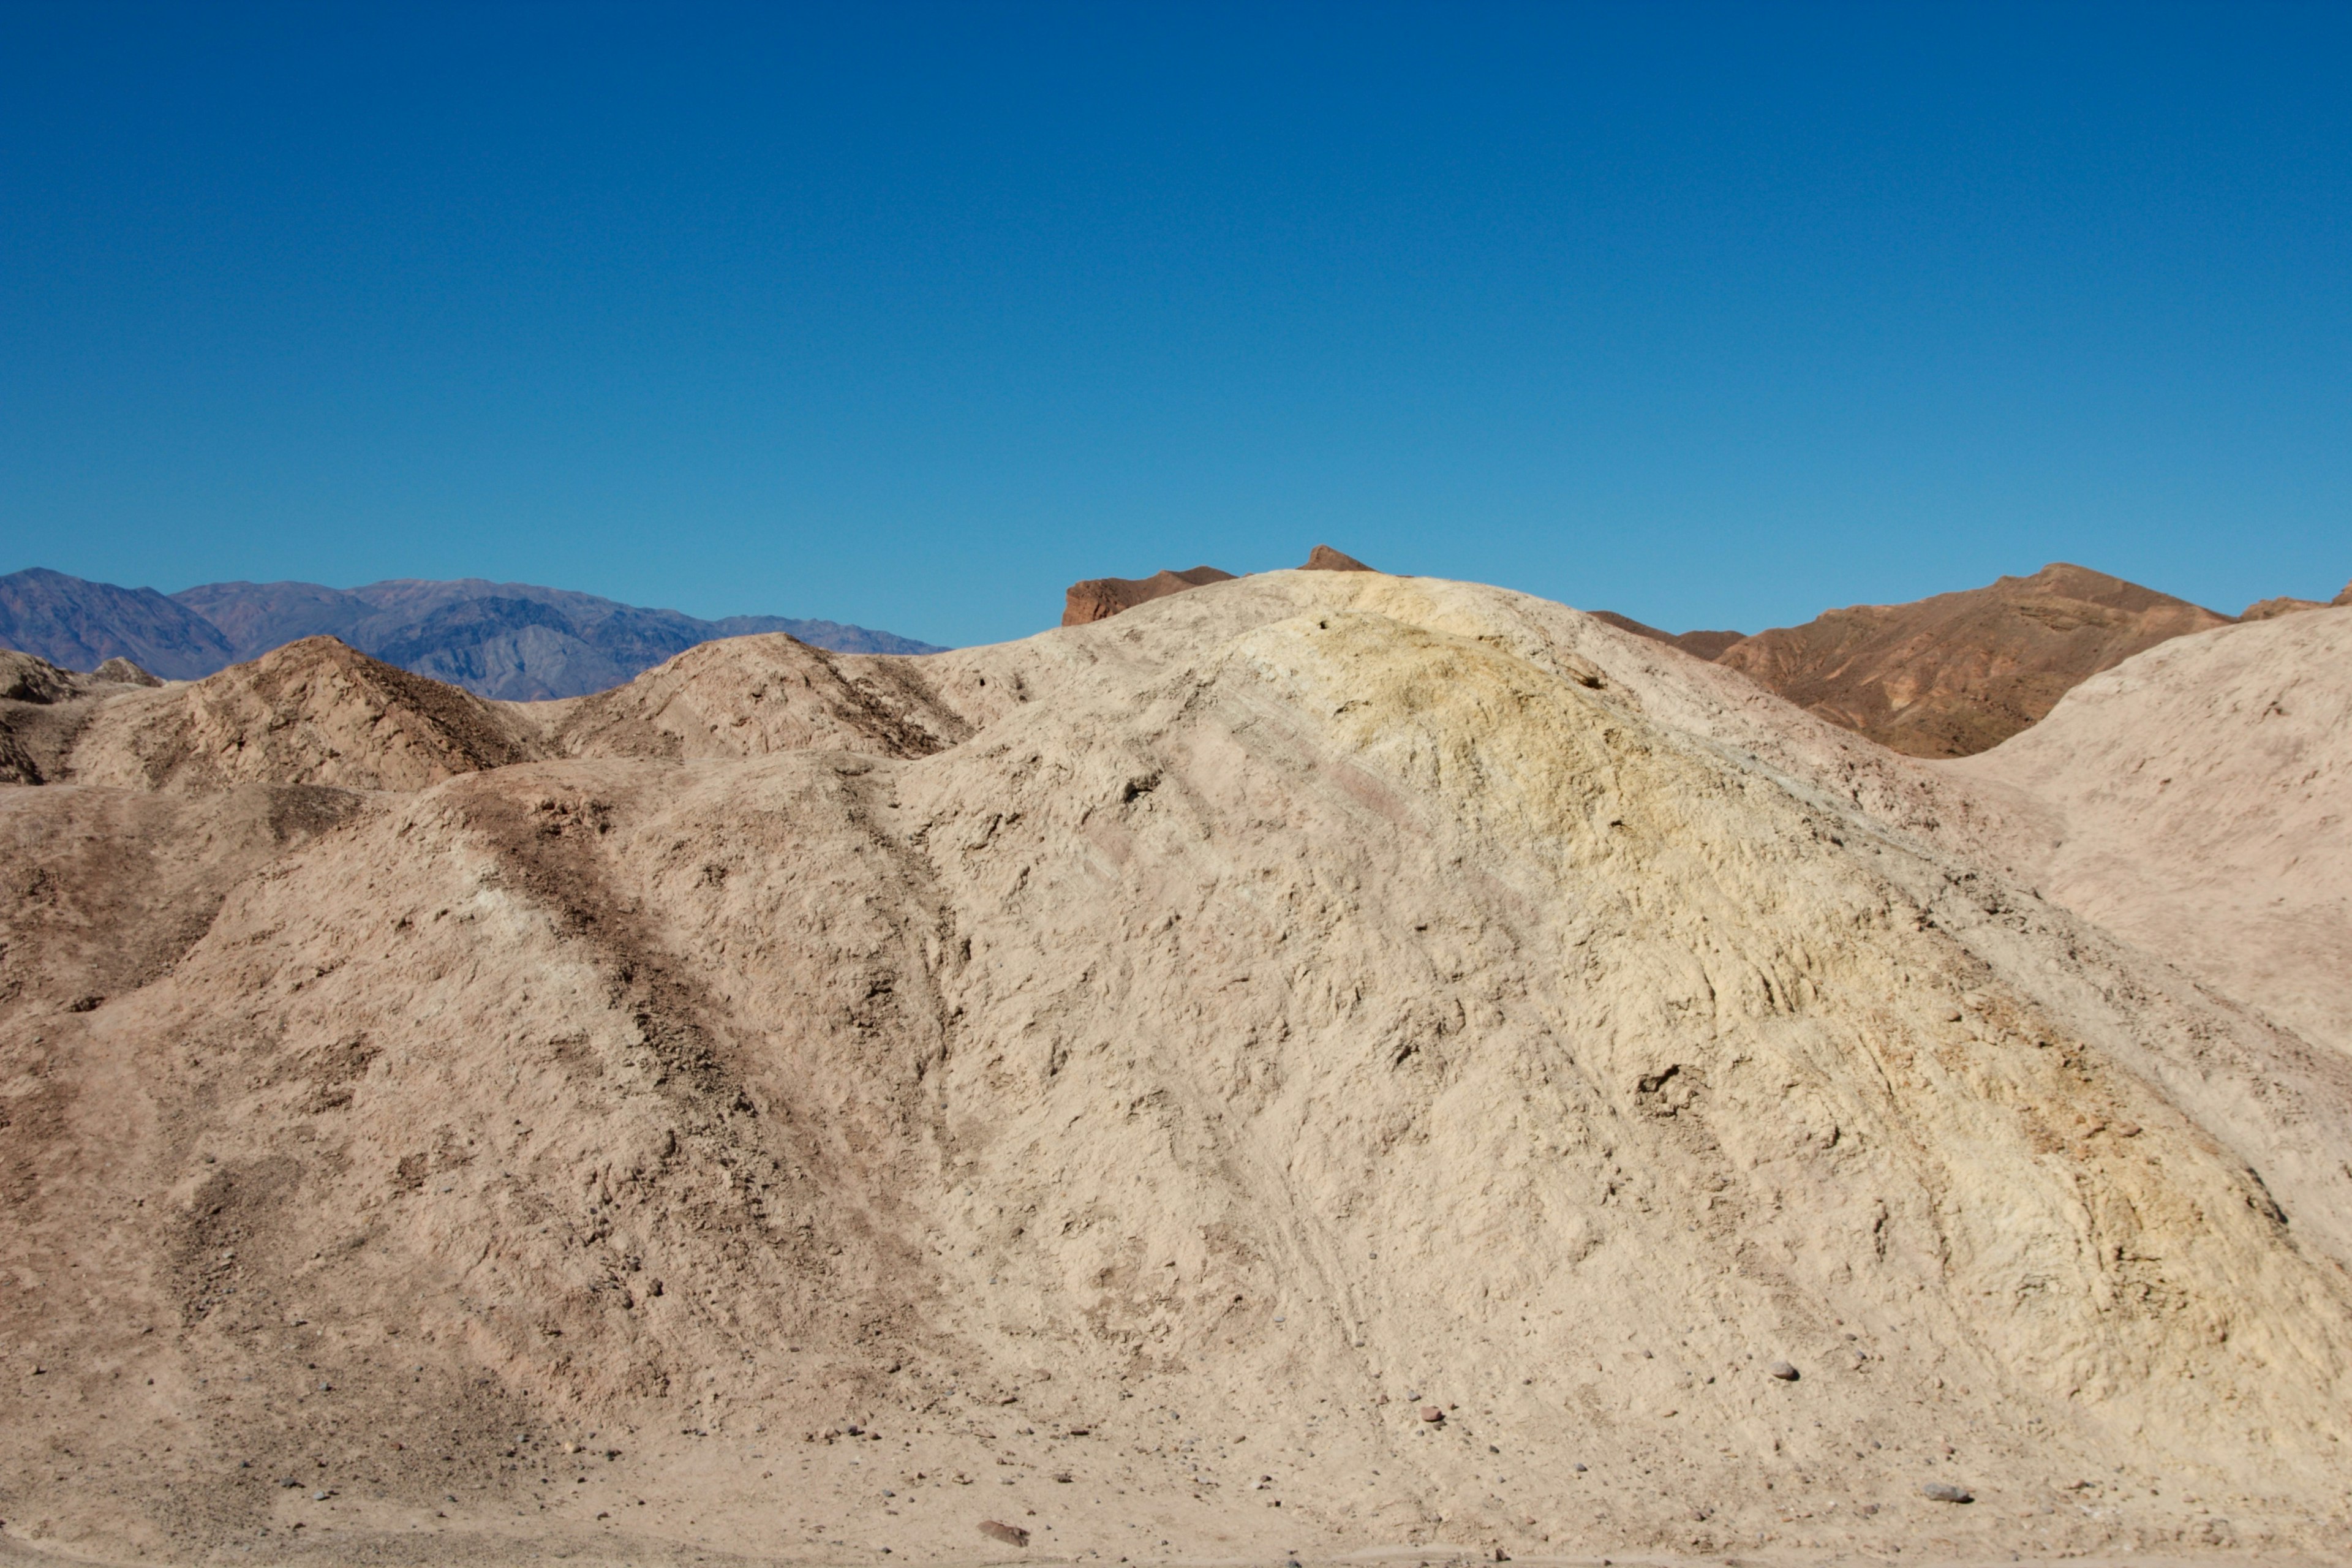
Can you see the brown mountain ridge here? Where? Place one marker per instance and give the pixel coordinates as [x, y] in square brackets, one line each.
[1957, 673]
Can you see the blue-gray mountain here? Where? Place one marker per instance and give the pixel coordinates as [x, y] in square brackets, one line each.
[511, 640]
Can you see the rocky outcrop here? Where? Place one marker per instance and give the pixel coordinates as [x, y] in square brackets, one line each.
[1954, 674]
[1099, 598]
[2271, 609]
[1323, 557]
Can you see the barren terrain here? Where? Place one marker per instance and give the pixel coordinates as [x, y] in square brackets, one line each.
[1314, 1064]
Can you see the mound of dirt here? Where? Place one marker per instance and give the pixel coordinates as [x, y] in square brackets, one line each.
[1957, 673]
[2197, 800]
[1318, 1062]
[312, 712]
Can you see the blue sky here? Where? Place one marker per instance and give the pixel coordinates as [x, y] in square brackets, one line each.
[909, 316]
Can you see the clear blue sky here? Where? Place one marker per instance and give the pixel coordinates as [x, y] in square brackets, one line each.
[908, 316]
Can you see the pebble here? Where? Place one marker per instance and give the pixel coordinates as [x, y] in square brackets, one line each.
[1011, 1534]
[1783, 1370]
[1432, 1413]
[1944, 1491]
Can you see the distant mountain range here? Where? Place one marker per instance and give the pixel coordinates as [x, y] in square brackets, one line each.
[511, 640]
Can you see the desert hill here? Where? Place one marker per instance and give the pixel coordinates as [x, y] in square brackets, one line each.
[509, 640]
[1959, 672]
[312, 713]
[2195, 799]
[1401, 1051]
[1954, 674]
[44, 710]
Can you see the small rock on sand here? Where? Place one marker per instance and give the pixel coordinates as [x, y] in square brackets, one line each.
[1011, 1534]
[1945, 1491]
[1783, 1370]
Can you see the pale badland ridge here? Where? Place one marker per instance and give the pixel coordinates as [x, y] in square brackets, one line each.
[1943, 677]
[1309, 1063]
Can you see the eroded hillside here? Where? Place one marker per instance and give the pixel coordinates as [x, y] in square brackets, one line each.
[1313, 1062]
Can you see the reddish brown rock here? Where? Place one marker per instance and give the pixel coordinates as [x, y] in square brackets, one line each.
[2271, 609]
[1323, 557]
[1099, 598]
[1011, 1534]
[1957, 673]
[1708, 646]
